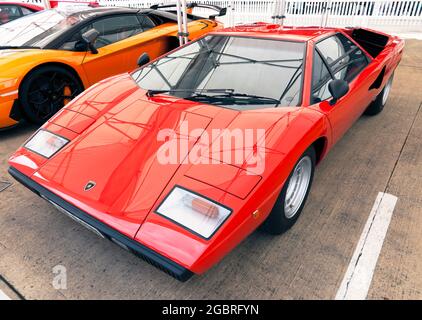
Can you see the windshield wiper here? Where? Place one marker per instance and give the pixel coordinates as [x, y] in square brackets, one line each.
[18, 47]
[234, 95]
[152, 92]
[221, 94]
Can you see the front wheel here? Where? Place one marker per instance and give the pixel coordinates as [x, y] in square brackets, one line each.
[292, 198]
[46, 90]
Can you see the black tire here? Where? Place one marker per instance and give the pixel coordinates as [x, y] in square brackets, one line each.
[378, 104]
[277, 222]
[45, 91]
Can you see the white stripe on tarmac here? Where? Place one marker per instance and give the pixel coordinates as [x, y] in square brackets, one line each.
[4, 296]
[358, 277]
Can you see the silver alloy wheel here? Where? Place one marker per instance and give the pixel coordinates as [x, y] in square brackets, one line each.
[298, 186]
[387, 90]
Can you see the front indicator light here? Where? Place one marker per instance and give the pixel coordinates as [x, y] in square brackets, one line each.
[194, 212]
[200, 205]
[7, 83]
[46, 143]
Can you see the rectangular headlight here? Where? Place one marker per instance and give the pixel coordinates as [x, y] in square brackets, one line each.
[46, 143]
[194, 212]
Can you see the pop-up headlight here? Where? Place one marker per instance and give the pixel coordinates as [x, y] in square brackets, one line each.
[46, 143]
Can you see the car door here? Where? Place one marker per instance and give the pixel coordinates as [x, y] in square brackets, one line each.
[153, 40]
[113, 56]
[337, 57]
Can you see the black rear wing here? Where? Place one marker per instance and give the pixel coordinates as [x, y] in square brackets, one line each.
[190, 5]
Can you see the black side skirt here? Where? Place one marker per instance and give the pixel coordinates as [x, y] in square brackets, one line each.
[170, 267]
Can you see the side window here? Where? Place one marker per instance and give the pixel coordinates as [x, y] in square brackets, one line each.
[331, 49]
[353, 63]
[114, 29]
[26, 11]
[70, 43]
[320, 79]
[344, 59]
[111, 29]
[9, 13]
[146, 22]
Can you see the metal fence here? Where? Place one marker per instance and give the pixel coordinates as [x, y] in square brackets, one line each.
[387, 15]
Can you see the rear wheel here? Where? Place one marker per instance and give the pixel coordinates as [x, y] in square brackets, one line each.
[292, 198]
[378, 104]
[46, 90]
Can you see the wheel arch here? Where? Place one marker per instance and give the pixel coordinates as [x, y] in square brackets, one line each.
[17, 112]
[56, 64]
[379, 80]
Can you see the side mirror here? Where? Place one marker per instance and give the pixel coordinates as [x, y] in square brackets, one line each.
[89, 37]
[143, 59]
[337, 88]
[81, 46]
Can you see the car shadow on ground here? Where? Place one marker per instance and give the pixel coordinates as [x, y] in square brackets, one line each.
[20, 129]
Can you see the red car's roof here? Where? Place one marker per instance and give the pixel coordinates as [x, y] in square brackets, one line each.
[261, 29]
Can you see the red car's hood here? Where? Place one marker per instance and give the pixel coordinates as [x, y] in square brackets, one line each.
[118, 150]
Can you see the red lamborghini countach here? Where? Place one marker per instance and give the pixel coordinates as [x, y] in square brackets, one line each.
[182, 159]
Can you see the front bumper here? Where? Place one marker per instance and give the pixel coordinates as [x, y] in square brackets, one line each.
[170, 267]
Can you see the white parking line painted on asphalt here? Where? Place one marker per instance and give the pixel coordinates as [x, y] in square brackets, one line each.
[358, 277]
[4, 296]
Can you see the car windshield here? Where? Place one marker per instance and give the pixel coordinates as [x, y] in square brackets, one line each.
[235, 72]
[38, 29]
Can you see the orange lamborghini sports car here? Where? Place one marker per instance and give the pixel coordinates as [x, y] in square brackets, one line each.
[48, 58]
